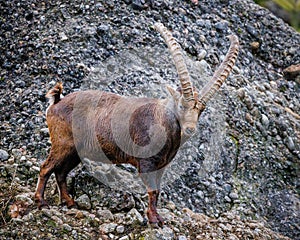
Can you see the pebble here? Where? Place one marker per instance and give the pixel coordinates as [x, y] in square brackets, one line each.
[222, 25]
[44, 131]
[202, 54]
[3, 155]
[57, 220]
[108, 227]
[227, 199]
[265, 120]
[290, 143]
[134, 216]
[254, 45]
[105, 215]
[182, 237]
[120, 229]
[124, 238]
[200, 194]
[84, 202]
[63, 36]
[241, 93]
[233, 196]
[79, 215]
[47, 212]
[24, 198]
[67, 227]
[16, 153]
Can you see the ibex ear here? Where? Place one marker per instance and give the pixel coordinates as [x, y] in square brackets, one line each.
[173, 92]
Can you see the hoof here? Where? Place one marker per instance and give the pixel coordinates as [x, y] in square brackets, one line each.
[70, 205]
[155, 220]
[73, 206]
[43, 204]
[156, 225]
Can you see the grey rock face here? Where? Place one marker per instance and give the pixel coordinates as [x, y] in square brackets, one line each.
[245, 157]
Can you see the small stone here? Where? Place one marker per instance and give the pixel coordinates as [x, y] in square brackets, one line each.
[3, 155]
[67, 227]
[182, 237]
[241, 93]
[63, 36]
[16, 153]
[292, 71]
[232, 237]
[249, 102]
[265, 120]
[44, 131]
[254, 45]
[252, 30]
[79, 215]
[236, 69]
[135, 216]
[120, 229]
[200, 194]
[35, 168]
[124, 238]
[233, 196]
[203, 66]
[165, 214]
[105, 215]
[102, 29]
[202, 54]
[84, 202]
[249, 118]
[273, 85]
[290, 143]
[23, 158]
[108, 227]
[24, 198]
[57, 220]
[171, 206]
[29, 217]
[28, 164]
[222, 25]
[227, 199]
[227, 187]
[47, 212]
[42, 19]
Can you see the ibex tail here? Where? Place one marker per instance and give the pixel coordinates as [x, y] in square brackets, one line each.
[54, 95]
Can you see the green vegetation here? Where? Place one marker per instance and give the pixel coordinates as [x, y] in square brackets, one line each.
[292, 7]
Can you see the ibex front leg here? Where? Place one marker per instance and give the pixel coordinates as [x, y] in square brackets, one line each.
[152, 181]
[153, 216]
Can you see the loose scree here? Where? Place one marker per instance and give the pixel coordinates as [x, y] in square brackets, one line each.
[144, 132]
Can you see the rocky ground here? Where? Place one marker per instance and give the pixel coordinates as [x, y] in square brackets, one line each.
[241, 171]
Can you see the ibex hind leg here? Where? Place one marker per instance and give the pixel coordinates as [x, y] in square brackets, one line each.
[61, 173]
[46, 169]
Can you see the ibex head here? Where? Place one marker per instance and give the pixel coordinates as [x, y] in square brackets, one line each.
[189, 104]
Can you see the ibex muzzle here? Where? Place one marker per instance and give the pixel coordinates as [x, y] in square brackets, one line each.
[177, 115]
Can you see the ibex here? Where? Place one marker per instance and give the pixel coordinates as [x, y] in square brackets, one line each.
[84, 123]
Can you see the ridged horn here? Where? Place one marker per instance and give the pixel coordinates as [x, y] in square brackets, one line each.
[176, 52]
[222, 73]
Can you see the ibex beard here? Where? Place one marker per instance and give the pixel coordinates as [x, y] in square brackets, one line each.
[110, 128]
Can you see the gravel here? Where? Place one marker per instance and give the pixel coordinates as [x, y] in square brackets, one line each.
[238, 177]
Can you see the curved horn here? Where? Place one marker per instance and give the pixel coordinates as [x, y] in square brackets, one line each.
[222, 73]
[175, 50]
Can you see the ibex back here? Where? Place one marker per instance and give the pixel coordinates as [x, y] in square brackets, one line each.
[90, 124]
